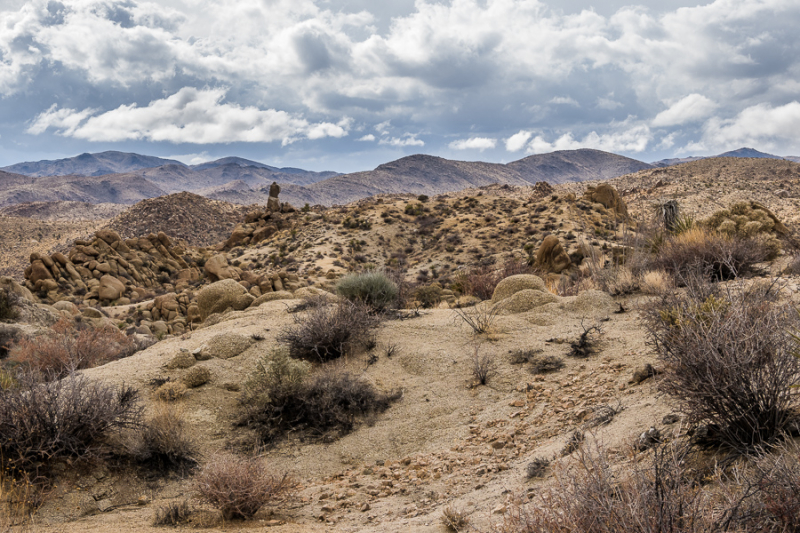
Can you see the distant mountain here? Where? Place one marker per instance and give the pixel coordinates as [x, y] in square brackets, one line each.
[741, 152]
[242, 162]
[575, 165]
[111, 188]
[90, 165]
[793, 158]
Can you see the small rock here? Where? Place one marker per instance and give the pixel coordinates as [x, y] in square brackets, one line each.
[642, 373]
[104, 505]
[143, 500]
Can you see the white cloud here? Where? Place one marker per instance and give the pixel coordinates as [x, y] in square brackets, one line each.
[188, 116]
[517, 142]
[688, 109]
[191, 159]
[367, 138]
[564, 100]
[474, 143]
[761, 125]
[631, 139]
[402, 142]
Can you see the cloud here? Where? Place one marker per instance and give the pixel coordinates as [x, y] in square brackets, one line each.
[517, 142]
[631, 139]
[367, 138]
[188, 116]
[760, 125]
[474, 143]
[564, 100]
[688, 109]
[402, 142]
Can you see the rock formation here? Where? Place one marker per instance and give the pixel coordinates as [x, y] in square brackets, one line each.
[551, 256]
[608, 196]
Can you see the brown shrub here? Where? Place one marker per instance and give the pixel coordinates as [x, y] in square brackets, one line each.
[329, 332]
[68, 348]
[730, 361]
[163, 442]
[240, 486]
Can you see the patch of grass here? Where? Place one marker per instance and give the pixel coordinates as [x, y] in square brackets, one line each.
[172, 514]
[455, 519]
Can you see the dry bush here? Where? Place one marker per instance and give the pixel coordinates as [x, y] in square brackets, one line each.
[163, 442]
[483, 366]
[171, 391]
[544, 364]
[481, 281]
[537, 467]
[480, 318]
[19, 496]
[729, 361]
[8, 301]
[651, 496]
[240, 486]
[778, 482]
[70, 418]
[172, 514]
[455, 519]
[655, 282]
[282, 396]
[329, 332]
[716, 255]
[67, 348]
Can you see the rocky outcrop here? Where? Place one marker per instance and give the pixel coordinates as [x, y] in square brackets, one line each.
[513, 284]
[222, 295]
[551, 256]
[608, 197]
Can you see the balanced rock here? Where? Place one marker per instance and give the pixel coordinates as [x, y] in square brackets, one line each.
[551, 255]
[221, 295]
[273, 204]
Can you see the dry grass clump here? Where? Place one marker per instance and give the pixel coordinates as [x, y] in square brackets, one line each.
[483, 366]
[172, 514]
[67, 348]
[544, 364]
[481, 318]
[537, 467]
[730, 361]
[649, 496]
[171, 391]
[455, 519]
[69, 418]
[717, 255]
[328, 332]
[241, 486]
[655, 282]
[283, 396]
[163, 441]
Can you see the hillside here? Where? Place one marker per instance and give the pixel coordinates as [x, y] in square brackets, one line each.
[575, 165]
[185, 216]
[63, 210]
[89, 164]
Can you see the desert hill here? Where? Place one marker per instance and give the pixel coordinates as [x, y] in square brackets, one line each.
[741, 152]
[63, 210]
[98, 164]
[448, 442]
[575, 165]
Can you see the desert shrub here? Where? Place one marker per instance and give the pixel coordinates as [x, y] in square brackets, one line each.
[172, 514]
[483, 366]
[719, 256]
[8, 301]
[240, 486]
[70, 418]
[67, 348]
[651, 496]
[537, 467]
[163, 441]
[455, 519]
[372, 288]
[730, 361]
[283, 396]
[480, 318]
[171, 391]
[655, 282]
[544, 364]
[479, 282]
[429, 295]
[329, 332]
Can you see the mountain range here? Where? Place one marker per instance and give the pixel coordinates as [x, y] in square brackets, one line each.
[126, 178]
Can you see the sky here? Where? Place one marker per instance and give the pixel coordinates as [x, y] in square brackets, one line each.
[346, 85]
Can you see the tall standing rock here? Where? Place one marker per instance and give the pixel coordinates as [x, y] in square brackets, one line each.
[273, 204]
[551, 255]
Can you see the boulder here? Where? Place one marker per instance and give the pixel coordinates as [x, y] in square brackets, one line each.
[608, 196]
[273, 204]
[551, 255]
[218, 269]
[108, 235]
[39, 271]
[225, 346]
[313, 292]
[221, 295]
[270, 296]
[516, 283]
[525, 300]
[12, 286]
[110, 288]
[196, 376]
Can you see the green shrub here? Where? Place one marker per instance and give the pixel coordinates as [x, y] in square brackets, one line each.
[373, 288]
[429, 295]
